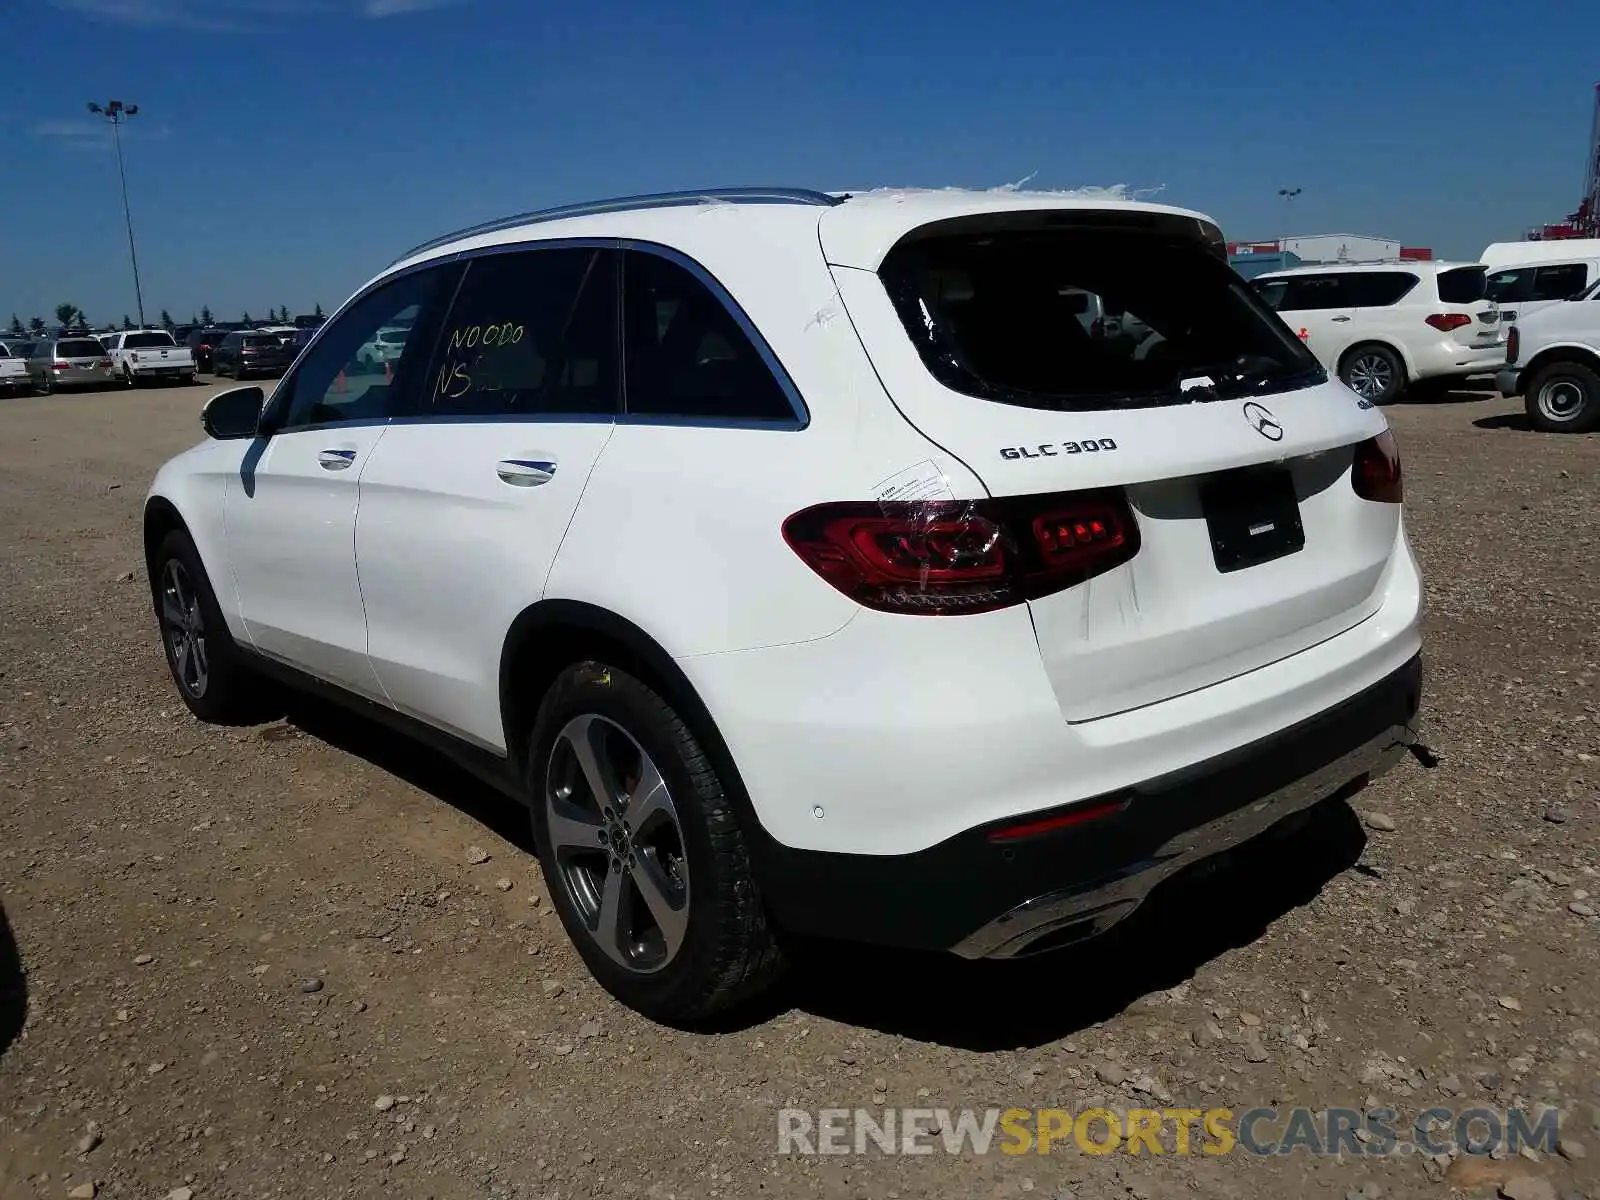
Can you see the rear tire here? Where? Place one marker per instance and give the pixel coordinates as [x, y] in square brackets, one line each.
[206, 666]
[653, 883]
[1373, 372]
[1564, 397]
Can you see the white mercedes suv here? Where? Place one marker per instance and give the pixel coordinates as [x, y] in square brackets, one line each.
[808, 567]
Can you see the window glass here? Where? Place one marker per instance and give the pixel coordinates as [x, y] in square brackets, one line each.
[1463, 285]
[686, 353]
[1511, 287]
[1379, 289]
[1309, 293]
[1272, 292]
[334, 382]
[145, 341]
[1559, 280]
[530, 332]
[1074, 319]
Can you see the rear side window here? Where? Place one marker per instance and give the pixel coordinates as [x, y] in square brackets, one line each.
[146, 341]
[531, 332]
[686, 354]
[1463, 285]
[1379, 289]
[1003, 315]
[79, 348]
[1559, 281]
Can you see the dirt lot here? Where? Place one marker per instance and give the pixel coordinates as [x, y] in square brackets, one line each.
[264, 962]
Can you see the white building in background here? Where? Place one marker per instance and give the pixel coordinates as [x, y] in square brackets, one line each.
[1342, 247]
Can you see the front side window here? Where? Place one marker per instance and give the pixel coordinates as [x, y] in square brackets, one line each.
[334, 381]
[532, 332]
[686, 354]
[1000, 315]
[1559, 281]
[1510, 287]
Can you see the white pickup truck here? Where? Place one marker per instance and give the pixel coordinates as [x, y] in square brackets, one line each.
[13, 373]
[1553, 363]
[142, 354]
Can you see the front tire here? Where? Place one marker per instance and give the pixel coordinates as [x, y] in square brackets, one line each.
[1564, 397]
[642, 850]
[1373, 372]
[205, 664]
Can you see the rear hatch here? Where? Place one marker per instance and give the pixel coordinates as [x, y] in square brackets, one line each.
[1232, 449]
[1464, 293]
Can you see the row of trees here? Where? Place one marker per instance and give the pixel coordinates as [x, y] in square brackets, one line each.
[70, 316]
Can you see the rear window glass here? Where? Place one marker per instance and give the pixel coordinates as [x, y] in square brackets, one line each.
[1463, 285]
[1087, 319]
[262, 339]
[146, 341]
[79, 348]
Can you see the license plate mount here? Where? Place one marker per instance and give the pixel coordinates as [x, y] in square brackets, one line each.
[1252, 516]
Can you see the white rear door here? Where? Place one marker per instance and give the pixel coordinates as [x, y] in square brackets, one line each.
[1248, 541]
[464, 505]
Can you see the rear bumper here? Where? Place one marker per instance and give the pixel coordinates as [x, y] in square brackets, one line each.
[983, 899]
[1508, 382]
[1448, 358]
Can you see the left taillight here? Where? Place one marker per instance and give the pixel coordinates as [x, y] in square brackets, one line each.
[942, 558]
[1375, 471]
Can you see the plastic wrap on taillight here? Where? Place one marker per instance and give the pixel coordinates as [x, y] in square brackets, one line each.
[1513, 346]
[939, 558]
[1375, 471]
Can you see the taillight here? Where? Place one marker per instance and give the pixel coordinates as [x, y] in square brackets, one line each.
[1513, 345]
[1445, 322]
[60, 366]
[104, 364]
[1375, 473]
[942, 558]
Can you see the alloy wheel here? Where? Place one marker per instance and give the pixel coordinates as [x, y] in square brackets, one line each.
[184, 627]
[617, 842]
[1370, 376]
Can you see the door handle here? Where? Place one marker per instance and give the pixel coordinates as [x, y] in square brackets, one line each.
[525, 472]
[335, 460]
[1342, 319]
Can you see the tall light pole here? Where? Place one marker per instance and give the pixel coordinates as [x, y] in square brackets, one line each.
[117, 112]
[1288, 195]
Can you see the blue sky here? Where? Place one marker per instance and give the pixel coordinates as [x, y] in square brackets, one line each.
[287, 149]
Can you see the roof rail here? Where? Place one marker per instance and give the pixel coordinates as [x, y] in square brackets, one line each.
[735, 195]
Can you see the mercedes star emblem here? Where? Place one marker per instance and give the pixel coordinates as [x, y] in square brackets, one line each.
[1263, 422]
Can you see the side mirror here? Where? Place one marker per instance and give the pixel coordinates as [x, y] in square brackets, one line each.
[235, 413]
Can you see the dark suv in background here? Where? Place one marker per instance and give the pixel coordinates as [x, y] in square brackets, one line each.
[202, 344]
[246, 353]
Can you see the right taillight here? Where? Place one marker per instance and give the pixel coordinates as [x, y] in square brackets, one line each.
[1445, 322]
[1375, 473]
[942, 558]
[1513, 346]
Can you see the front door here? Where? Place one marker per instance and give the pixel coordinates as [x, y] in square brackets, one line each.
[290, 515]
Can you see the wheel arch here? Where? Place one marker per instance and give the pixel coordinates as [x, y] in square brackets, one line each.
[161, 517]
[1562, 352]
[551, 635]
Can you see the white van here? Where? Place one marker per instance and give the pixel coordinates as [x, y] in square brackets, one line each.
[1527, 276]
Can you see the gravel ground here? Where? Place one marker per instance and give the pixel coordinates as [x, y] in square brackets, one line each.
[304, 961]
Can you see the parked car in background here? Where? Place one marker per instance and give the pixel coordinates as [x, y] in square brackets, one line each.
[13, 373]
[201, 343]
[145, 355]
[243, 354]
[385, 346]
[785, 624]
[1384, 326]
[1553, 363]
[68, 362]
[1525, 277]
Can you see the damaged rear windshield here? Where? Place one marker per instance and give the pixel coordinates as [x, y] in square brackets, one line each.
[1088, 319]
